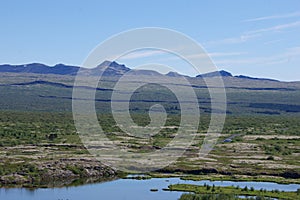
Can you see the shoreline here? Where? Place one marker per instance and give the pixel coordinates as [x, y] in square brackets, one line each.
[59, 183]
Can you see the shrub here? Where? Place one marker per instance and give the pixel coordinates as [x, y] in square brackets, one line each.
[245, 189]
[270, 158]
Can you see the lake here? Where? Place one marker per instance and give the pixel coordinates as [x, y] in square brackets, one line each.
[126, 189]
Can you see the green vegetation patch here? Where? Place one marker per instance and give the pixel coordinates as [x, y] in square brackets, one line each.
[207, 189]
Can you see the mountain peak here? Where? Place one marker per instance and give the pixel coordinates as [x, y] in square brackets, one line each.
[110, 68]
[174, 74]
[221, 73]
[112, 64]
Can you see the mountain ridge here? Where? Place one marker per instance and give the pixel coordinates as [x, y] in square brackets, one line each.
[107, 68]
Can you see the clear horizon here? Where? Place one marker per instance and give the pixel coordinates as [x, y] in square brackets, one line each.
[254, 38]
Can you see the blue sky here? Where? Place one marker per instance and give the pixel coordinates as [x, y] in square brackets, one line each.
[255, 37]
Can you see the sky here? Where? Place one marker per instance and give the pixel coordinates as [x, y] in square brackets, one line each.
[257, 38]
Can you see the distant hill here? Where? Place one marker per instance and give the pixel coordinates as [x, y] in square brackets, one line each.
[113, 69]
[39, 68]
[252, 78]
[223, 73]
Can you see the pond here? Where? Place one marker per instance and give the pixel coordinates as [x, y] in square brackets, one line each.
[126, 189]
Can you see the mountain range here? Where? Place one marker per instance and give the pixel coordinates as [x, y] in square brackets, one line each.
[108, 68]
[38, 87]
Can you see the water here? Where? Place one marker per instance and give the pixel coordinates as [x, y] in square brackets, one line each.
[126, 189]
